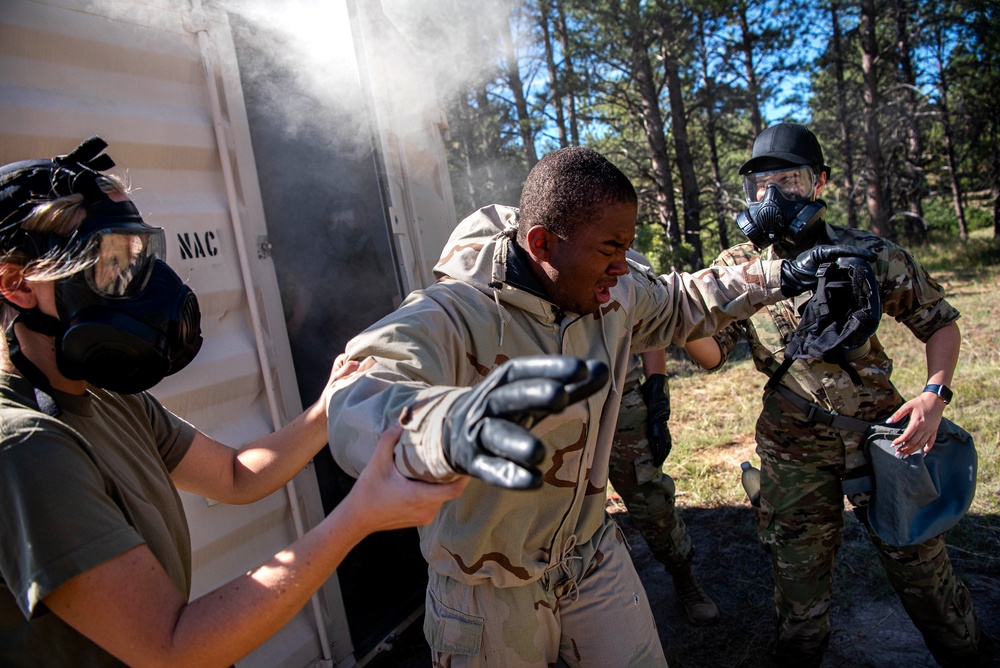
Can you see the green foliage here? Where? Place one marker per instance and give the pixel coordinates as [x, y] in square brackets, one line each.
[941, 218]
[742, 65]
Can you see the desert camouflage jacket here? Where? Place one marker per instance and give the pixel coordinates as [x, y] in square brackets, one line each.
[908, 294]
[446, 338]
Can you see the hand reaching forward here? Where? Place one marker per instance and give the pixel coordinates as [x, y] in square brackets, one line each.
[799, 275]
[486, 432]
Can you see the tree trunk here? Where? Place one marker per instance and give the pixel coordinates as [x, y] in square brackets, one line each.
[513, 75]
[916, 228]
[881, 224]
[846, 133]
[569, 76]
[949, 135]
[956, 187]
[753, 85]
[484, 151]
[467, 121]
[550, 64]
[711, 137]
[652, 121]
[690, 195]
[995, 190]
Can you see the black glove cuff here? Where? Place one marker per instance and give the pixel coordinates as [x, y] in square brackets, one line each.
[652, 389]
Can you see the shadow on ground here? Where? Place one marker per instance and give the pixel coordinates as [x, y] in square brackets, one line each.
[870, 628]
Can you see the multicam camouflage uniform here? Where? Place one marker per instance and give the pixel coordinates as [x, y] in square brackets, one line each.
[648, 492]
[800, 520]
[524, 578]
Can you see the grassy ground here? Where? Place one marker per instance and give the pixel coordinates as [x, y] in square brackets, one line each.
[712, 423]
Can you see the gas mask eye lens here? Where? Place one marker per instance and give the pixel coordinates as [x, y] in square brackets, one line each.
[121, 258]
[796, 183]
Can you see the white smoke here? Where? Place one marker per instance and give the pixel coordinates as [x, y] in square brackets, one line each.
[414, 54]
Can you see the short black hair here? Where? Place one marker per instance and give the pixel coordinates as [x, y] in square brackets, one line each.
[568, 187]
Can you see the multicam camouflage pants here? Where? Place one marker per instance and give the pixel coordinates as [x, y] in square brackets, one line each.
[592, 614]
[800, 524]
[647, 491]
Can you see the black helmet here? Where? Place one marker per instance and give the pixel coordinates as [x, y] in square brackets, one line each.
[783, 145]
[840, 317]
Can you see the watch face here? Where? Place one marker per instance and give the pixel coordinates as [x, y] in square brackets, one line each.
[942, 391]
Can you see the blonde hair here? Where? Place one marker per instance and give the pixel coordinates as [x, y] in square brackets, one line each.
[62, 217]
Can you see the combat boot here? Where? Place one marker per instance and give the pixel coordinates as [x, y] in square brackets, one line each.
[700, 609]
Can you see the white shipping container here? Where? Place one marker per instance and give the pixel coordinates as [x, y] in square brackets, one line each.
[301, 202]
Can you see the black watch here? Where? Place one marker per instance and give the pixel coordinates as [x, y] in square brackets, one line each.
[942, 391]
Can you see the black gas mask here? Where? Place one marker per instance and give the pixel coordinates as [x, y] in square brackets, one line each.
[780, 219]
[126, 319]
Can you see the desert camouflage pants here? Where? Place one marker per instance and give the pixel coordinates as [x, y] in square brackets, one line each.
[647, 491]
[800, 524]
[596, 615]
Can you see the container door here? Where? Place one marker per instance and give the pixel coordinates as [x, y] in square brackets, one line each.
[357, 213]
[135, 74]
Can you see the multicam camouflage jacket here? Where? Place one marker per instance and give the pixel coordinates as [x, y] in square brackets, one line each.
[448, 337]
[908, 294]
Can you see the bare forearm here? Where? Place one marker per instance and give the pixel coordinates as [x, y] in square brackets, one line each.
[129, 606]
[706, 352]
[224, 625]
[261, 467]
[254, 606]
[942, 354]
[925, 409]
[654, 362]
[264, 465]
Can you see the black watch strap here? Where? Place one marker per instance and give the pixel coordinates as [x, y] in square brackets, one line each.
[942, 391]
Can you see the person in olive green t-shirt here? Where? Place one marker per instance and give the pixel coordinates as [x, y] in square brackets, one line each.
[95, 561]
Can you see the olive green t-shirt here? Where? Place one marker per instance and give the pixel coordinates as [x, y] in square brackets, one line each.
[75, 492]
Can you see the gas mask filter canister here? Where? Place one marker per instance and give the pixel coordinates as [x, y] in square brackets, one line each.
[128, 319]
[776, 218]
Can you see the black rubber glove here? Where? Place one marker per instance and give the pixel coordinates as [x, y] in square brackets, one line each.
[656, 395]
[486, 431]
[799, 275]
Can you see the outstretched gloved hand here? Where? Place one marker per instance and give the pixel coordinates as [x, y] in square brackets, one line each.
[799, 275]
[656, 395]
[486, 431]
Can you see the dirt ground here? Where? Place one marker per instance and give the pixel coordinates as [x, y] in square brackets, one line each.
[870, 629]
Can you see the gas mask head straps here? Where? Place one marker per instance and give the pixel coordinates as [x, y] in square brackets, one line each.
[26, 184]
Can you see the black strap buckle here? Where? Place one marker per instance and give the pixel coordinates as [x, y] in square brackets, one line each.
[817, 413]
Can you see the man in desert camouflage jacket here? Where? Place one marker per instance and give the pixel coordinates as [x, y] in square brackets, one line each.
[522, 578]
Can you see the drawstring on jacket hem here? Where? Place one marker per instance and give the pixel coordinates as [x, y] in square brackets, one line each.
[607, 349]
[570, 585]
[499, 273]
